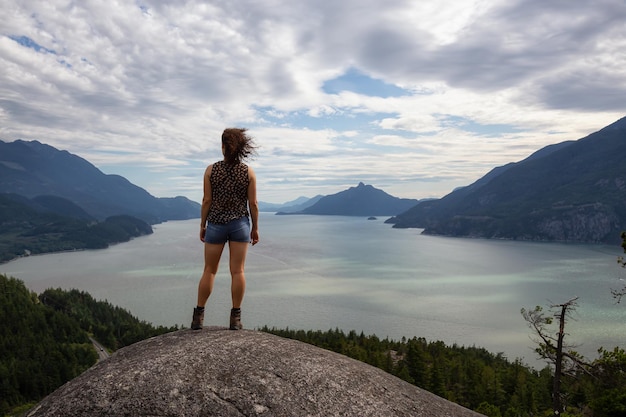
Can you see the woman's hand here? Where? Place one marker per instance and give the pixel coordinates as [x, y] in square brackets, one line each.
[202, 233]
[254, 237]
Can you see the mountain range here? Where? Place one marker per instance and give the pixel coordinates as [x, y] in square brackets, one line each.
[32, 169]
[51, 200]
[573, 191]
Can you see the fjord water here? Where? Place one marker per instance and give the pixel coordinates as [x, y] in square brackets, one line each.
[327, 272]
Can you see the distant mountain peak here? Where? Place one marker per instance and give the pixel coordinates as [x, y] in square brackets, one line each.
[362, 200]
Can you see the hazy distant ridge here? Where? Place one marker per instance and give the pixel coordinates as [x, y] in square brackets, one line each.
[298, 204]
[572, 192]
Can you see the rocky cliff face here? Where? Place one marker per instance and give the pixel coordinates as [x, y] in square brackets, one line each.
[588, 223]
[217, 372]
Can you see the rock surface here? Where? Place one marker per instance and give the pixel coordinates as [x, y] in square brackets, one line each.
[217, 372]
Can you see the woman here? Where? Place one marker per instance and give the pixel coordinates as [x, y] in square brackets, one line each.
[228, 206]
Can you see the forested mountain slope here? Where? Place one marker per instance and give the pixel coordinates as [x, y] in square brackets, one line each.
[53, 224]
[570, 192]
[44, 340]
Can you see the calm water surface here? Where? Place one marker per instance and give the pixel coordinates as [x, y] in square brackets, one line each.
[326, 272]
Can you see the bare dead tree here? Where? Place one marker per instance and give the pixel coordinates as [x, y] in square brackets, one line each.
[552, 347]
[618, 294]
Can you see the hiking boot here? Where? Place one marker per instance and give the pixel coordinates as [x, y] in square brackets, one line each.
[235, 319]
[198, 319]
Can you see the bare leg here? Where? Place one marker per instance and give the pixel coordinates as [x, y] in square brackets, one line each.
[212, 254]
[238, 251]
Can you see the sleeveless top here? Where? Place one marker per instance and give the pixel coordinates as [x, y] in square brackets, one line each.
[229, 192]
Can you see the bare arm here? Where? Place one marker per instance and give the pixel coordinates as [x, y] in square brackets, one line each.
[206, 201]
[253, 204]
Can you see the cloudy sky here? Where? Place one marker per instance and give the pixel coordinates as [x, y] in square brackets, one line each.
[413, 97]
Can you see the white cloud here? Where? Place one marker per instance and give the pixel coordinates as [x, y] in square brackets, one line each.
[144, 89]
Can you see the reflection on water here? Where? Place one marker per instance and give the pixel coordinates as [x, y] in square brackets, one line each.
[326, 272]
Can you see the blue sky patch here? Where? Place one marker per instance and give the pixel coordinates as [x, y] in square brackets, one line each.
[29, 43]
[359, 83]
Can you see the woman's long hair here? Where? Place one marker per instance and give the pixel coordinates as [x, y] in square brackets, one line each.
[237, 145]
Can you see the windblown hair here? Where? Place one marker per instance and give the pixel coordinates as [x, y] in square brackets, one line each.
[237, 145]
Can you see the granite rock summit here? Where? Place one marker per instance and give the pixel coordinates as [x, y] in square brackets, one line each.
[217, 372]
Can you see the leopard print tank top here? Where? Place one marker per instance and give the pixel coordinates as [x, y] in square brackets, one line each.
[229, 192]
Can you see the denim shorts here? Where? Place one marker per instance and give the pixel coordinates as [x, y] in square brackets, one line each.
[237, 230]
